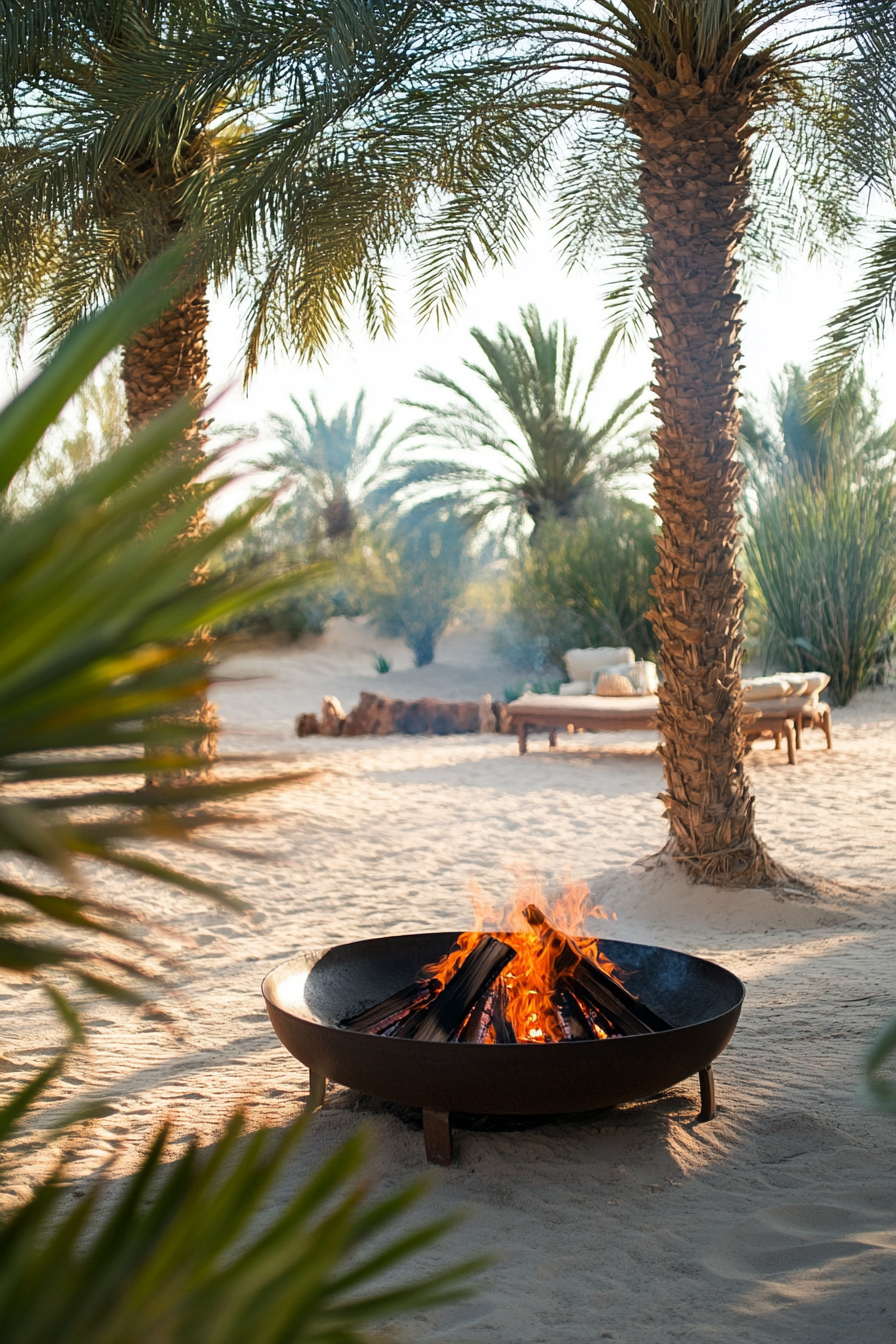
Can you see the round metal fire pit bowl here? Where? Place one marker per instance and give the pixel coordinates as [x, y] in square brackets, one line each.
[309, 994]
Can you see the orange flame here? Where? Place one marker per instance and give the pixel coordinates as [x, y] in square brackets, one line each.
[528, 985]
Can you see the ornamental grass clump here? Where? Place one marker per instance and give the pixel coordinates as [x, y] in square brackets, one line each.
[823, 554]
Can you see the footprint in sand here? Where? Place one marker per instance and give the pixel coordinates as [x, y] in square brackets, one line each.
[806, 1240]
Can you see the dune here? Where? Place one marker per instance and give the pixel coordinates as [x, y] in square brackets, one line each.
[775, 1222]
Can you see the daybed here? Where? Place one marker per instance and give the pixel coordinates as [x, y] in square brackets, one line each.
[780, 706]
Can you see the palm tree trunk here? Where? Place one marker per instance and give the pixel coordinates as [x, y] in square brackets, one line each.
[165, 363]
[695, 170]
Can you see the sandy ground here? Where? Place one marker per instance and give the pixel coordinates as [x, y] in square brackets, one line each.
[776, 1222]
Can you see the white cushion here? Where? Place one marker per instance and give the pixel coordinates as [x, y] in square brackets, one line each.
[575, 688]
[587, 704]
[580, 663]
[765, 688]
[793, 704]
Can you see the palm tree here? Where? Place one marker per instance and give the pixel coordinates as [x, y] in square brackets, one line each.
[551, 460]
[673, 120]
[131, 125]
[330, 461]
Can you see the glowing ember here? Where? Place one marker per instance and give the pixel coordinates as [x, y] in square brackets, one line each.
[534, 996]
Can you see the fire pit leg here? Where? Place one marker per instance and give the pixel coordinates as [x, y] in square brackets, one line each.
[522, 734]
[707, 1095]
[317, 1091]
[437, 1137]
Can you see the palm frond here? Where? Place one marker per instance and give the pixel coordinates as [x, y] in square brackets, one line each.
[188, 1249]
[100, 609]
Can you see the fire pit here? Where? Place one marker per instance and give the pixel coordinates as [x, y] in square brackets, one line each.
[460, 1022]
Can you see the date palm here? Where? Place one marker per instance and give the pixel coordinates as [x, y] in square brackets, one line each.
[673, 121]
[539, 457]
[133, 124]
[331, 460]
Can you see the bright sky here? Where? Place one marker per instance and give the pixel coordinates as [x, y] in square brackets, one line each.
[783, 321]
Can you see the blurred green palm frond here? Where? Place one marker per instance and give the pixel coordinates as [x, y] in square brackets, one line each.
[188, 1252]
[100, 605]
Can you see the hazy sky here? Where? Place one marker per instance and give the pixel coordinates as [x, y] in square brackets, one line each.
[784, 319]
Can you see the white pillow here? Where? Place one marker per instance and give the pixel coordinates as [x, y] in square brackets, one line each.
[580, 663]
[815, 682]
[575, 688]
[797, 681]
[765, 688]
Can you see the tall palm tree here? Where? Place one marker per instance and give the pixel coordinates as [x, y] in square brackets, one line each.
[542, 459]
[677, 124]
[331, 460]
[134, 124]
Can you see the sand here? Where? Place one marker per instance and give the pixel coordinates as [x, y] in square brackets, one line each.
[776, 1222]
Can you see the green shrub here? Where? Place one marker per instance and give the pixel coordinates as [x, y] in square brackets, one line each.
[411, 578]
[585, 584]
[823, 557]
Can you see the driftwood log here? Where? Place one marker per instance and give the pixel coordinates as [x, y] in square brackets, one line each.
[381, 715]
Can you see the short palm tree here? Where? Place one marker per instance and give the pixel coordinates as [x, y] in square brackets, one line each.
[540, 458]
[332, 461]
[672, 121]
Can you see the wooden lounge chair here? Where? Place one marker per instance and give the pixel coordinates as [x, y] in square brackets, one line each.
[788, 721]
[613, 714]
[592, 713]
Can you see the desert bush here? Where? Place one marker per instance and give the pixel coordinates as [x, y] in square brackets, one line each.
[823, 557]
[583, 584]
[411, 577]
[278, 540]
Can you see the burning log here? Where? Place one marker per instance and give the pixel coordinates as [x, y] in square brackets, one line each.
[573, 1020]
[489, 1013]
[383, 1018]
[601, 1025]
[594, 985]
[449, 1010]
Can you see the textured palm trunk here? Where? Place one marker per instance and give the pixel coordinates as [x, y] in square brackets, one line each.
[165, 363]
[693, 138]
